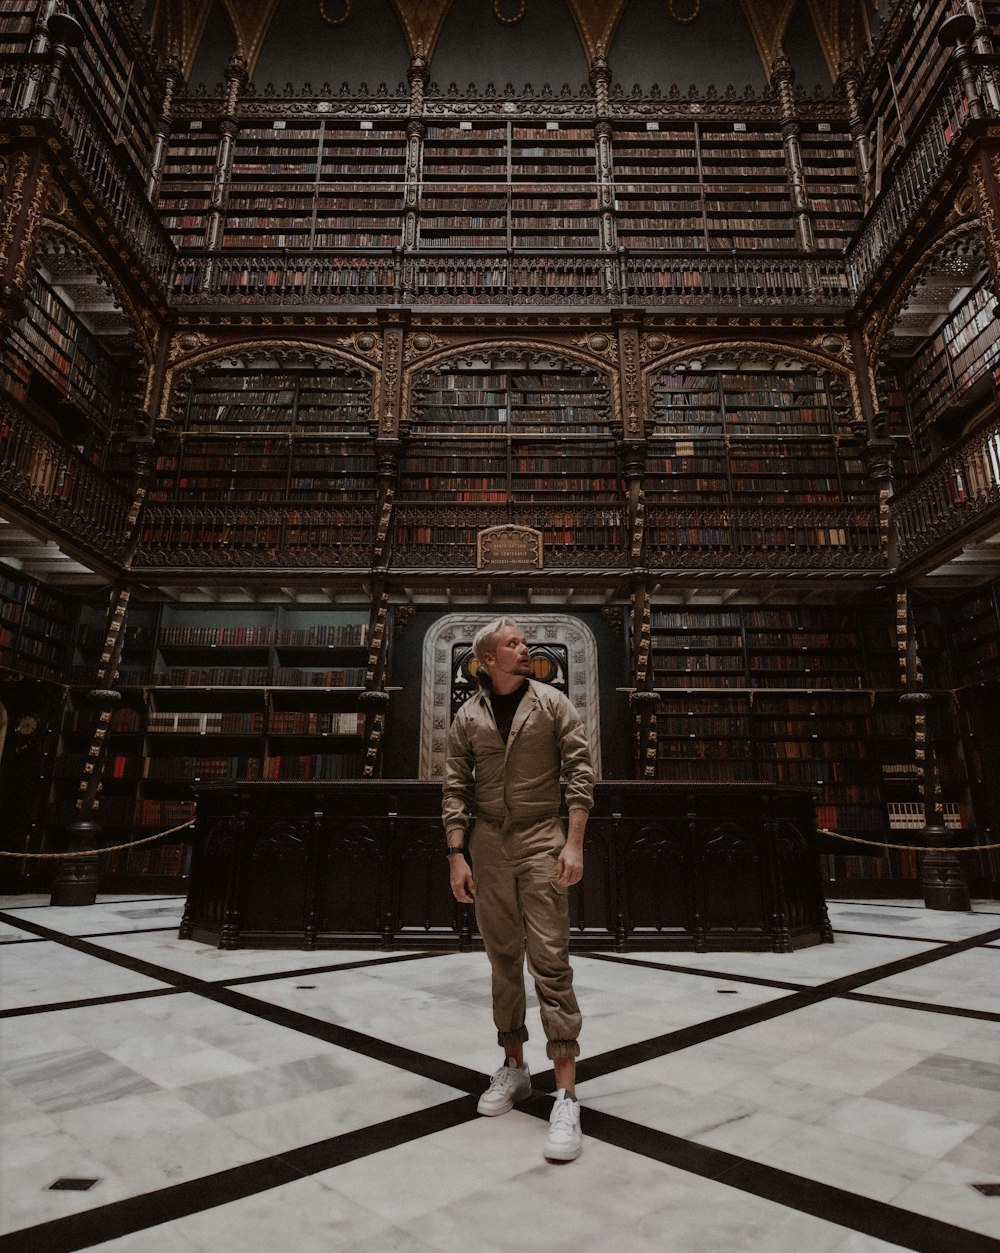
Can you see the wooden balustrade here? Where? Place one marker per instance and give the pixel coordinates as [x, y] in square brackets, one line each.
[961, 490]
[792, 537]
[788, 279]
[59, 486]
[295, 278]
[931, 146]
[95, 155]
[262, 537]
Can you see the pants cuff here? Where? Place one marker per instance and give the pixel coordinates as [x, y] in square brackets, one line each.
[507, 1039]
[562, 1048]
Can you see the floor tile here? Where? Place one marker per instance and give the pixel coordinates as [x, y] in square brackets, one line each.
[153, 1095]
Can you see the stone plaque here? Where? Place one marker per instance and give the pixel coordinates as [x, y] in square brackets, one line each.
[509, 547]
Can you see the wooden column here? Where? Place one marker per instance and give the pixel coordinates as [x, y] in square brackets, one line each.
[388, 428]
[849, 81]
[600, 77]
[782, 78]
[633, 423]
[236, 81]
[172, 77]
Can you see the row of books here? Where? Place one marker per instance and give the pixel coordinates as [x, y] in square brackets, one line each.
[258, 676]
[168, 722]
[236, 636]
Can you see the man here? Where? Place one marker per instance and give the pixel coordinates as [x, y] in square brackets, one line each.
[508, 746]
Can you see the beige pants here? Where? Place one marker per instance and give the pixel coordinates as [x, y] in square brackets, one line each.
[518, 908]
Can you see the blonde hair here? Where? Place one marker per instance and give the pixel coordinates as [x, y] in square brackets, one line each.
[485, 639]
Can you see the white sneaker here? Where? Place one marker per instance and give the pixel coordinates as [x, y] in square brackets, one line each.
[565, 1137]
[509, 1084]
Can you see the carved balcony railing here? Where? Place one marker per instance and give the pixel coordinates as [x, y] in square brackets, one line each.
[794, 537]
[59, 487]
[574, 536]
[234, 537]
[108, 177]
[579, 536]
[932, 145]
[958, 492]
[286, 278]
[764, 279]
[509, 277]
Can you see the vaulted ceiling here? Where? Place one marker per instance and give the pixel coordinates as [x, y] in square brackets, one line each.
[840, 26]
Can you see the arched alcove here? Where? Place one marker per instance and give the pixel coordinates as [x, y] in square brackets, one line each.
[455, 631]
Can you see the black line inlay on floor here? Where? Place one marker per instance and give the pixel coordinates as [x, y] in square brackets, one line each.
[823, 1201]
[699, 1033]
[123, 1218]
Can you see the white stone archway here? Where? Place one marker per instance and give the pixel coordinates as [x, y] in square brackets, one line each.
[459, 628]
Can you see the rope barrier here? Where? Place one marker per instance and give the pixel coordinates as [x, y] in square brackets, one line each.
[96, 852]
[838, 835]
[910, 848]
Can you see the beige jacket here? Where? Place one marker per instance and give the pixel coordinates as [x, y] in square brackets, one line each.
[517, 783]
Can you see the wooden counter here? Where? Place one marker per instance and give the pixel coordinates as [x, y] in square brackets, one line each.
[360, 864]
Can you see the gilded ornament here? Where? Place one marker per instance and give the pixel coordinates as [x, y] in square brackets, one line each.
[364, 342]
[188, 342]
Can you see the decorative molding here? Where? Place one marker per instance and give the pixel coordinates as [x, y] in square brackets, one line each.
[419, 343]
[187, 342]
[459, 628]
[365, 343]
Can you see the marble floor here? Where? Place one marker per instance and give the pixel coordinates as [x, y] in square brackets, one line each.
[161, 1096]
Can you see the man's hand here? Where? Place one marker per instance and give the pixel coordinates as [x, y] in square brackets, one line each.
[569, 867]
[462, 886]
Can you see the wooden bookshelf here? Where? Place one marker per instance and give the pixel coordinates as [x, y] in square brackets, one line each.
[658, 187]
[186, 183]
[795, 695]
[36, 628]
[833, 183]
[117, 80]
[17, 22]
[974, 637]
[249, 692]
[510, 436]
[536, 442]
[270, 435]
[553, 187]
[747, 200]
[749, 437]
[56, 361]
[294, 184]
[952, 370]
[899, 84]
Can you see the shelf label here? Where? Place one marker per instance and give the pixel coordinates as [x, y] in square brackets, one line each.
[508, 547]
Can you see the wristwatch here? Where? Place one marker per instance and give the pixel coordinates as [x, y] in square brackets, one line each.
[455, 848]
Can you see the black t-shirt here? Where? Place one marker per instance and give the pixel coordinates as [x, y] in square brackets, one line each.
[505, 707]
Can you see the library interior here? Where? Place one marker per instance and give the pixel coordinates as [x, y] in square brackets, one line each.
[331, 330]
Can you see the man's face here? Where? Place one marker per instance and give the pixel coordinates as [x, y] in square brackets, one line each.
[511, 656]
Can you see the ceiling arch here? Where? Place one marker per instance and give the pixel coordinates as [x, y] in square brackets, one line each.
[841, 26]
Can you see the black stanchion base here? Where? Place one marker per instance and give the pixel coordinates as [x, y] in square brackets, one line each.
[941, 874]
[77, 877]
